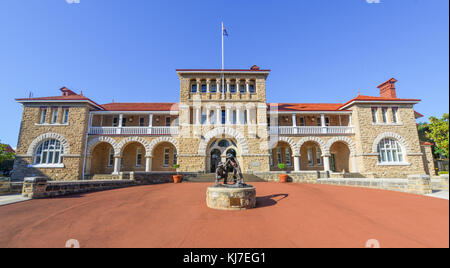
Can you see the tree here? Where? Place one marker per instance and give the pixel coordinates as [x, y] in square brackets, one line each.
[6, 159]
[5, 154]
[438, 132]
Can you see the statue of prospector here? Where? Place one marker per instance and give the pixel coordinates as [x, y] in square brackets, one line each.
[231, 165]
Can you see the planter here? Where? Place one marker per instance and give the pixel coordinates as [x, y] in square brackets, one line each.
[177, 178]
[283, 178]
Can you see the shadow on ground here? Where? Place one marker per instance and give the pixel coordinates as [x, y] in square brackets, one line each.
[269, 200]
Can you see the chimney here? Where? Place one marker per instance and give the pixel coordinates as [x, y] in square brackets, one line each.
[387, 89]
[67, 92]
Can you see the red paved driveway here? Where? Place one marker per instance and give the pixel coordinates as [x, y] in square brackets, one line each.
[175, 215]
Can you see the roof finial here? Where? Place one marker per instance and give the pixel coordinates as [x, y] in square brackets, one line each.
[358, 93]
[81, 92]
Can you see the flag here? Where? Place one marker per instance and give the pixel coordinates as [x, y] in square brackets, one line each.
[224, 31]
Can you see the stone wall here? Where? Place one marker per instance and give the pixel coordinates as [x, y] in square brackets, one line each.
[71, 135]
[42, 188]
[428, 159]
[405, 132]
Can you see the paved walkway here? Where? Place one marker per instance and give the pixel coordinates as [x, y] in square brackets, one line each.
[175, 215]
[440, 194]
[11, 199]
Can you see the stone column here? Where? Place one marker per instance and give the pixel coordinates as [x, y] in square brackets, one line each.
[350, 122]
[218, 85]
[326, 163]
[208, 85]
[294, 123]
[238, 115]
[148, 163]
[218, 115]
[228, 115]
[199, 84]
[322, 123]
[117, 160]
[296, 163]
[228, 86]
[119, 129]
[247, 85]
[34, 187]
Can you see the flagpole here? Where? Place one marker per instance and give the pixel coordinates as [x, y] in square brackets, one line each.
[223, 66]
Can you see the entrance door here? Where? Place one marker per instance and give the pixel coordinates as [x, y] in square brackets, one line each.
[215, 159]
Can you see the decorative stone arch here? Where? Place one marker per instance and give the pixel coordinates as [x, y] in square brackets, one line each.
[159, 140]
[322, 144]
[350, 143]
[48, 136]
[95, 141]
[140, 140]
[218, 132]
[294, 146]
[400, 139]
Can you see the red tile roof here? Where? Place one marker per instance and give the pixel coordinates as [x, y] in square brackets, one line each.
[220, 70]
[69, 96]
[307, 106]
[122, 106]
[373, 98]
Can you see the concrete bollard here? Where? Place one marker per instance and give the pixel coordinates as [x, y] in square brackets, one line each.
[419, 184]
[34, 187]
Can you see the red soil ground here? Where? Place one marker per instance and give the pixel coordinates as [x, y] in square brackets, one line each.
[175, 215]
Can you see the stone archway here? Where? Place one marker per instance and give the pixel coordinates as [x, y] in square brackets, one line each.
[47, 136]
[220, 132]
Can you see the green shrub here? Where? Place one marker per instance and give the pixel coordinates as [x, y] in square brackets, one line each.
[443, 172]
[176, 166]
[282, 166]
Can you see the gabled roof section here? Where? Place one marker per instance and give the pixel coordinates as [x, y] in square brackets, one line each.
[67, 96]
[141, 106]
[369, 99]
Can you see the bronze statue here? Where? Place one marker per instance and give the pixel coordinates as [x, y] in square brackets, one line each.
[231, 165]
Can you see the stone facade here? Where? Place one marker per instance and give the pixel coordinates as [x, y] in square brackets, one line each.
[314, 140]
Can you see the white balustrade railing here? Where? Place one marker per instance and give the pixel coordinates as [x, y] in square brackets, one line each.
[133, 131]
[308, 130]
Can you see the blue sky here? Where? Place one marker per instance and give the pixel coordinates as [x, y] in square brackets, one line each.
[128, 50]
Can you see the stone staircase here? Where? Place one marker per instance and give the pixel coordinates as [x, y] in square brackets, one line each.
[210, 177]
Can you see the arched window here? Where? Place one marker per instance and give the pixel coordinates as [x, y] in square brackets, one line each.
[389, 151]
[49, 152]
[224, 144]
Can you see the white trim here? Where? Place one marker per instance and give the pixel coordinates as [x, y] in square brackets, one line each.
[170, 112]
[59, 101]
[379, 101]
[309, 112]
[50, 124]
[393, 164]
[61, 165]
[225, 72]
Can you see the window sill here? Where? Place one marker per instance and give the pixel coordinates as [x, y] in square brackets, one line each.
[394, 164]
[49, 124]
[47, 166]
[387, 124]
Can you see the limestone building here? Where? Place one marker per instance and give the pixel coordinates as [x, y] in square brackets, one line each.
[71, 137]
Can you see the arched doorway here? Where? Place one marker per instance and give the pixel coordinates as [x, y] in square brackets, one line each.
[215, 159]
[339, 157]
[133, 157]
[311, 156]
[217, 152]
[164, 157]
[281, 154]
[102, 159]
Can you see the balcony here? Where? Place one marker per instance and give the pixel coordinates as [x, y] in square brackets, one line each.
[311, 130]
[157, 131]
